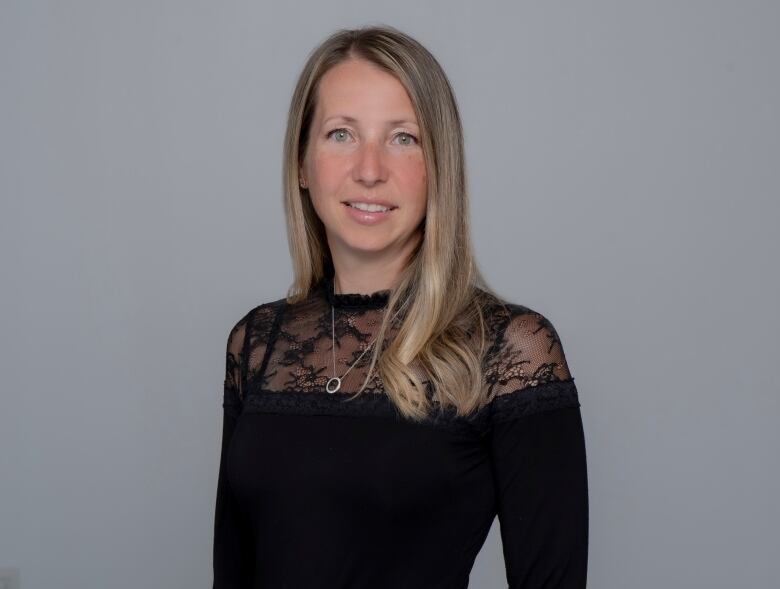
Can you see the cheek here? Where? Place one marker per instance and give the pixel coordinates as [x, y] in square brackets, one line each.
[328, 168]
[414, 174]
[417, 182]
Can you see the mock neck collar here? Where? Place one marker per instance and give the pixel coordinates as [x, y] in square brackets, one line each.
[375, 300]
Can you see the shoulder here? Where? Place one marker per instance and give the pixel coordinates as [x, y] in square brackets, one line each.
[529, 341]
[517, 325]
[526, 369]
[258, 318]
[244, 332]
[531, 330]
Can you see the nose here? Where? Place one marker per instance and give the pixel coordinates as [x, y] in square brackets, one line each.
[370, 166]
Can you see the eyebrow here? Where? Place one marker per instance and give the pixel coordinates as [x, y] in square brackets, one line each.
[353, 120]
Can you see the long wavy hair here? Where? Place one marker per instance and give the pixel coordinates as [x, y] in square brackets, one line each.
[439, 302]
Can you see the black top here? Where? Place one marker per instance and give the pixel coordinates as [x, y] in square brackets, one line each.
[320, 490]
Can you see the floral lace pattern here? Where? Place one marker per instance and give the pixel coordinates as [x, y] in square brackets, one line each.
[280, 357]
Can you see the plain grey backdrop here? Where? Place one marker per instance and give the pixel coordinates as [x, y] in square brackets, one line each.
[623, 164]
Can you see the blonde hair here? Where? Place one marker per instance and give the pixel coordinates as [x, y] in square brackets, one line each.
[440, 296]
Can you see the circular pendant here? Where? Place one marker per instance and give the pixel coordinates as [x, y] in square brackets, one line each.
[333, 385]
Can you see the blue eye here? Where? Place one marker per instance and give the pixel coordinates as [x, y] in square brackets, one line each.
[343, 130]
[408, 135]
[335, 131]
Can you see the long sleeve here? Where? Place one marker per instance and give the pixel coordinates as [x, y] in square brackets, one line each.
[539, 461]
[233, 545]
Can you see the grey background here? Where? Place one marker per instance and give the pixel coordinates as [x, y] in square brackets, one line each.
[623, 162]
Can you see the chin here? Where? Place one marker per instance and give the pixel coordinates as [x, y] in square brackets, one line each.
[369, 246]
[366, 243]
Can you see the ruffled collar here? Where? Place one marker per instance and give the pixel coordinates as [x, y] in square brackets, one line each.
[375, 300]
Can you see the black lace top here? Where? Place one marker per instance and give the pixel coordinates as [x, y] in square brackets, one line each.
[319, 491]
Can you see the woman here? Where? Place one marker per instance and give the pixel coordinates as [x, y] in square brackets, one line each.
[346, 463]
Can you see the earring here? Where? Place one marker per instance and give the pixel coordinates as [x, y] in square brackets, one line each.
[303, 183]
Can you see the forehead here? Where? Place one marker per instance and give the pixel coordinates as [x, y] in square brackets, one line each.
[358, 89]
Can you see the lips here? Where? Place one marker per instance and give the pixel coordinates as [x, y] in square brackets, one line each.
[368, 218]
[381, 203]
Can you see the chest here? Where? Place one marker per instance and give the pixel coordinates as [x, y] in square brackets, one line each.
[352, 465]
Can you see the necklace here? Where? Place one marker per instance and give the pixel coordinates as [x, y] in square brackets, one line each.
[334, 383]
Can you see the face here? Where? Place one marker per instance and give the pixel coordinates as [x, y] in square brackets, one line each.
[364, 146]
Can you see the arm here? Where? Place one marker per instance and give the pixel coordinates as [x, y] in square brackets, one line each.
[538, 450]
[233, 558]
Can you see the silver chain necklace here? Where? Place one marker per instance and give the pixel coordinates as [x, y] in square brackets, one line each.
[334, 383]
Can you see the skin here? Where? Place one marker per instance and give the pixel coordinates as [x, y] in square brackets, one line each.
[370, 156]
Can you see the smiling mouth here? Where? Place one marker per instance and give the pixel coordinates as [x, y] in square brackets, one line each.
[370, 208]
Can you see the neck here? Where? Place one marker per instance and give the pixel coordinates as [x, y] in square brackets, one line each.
[368, 272]
[365, 281]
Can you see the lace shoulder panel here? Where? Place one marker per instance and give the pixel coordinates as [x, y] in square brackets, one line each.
[526, 370]
[247, 338]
